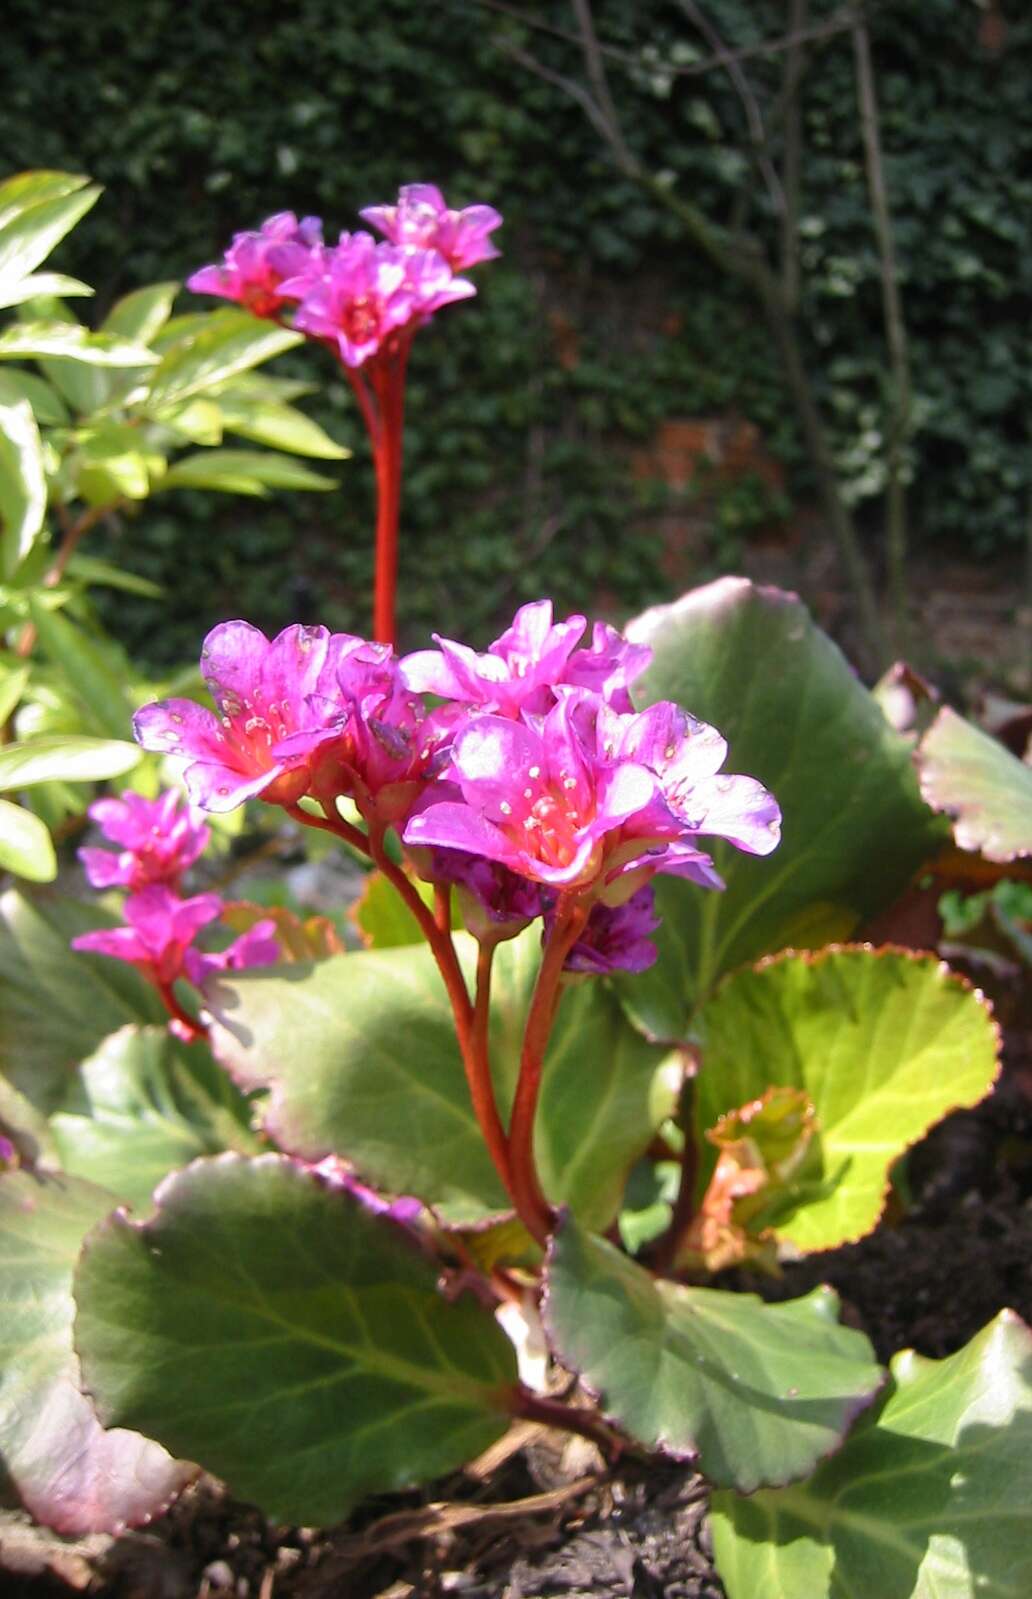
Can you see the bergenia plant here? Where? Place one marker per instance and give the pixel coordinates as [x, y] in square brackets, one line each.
[616, 1028]
[364, 300]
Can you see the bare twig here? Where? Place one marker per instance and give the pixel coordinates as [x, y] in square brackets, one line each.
[750, 104]
[597, 78]
[793, 155]
[899, 419]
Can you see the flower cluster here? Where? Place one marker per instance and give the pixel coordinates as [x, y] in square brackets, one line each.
[535, 783]
[160, 839]
[359, 296]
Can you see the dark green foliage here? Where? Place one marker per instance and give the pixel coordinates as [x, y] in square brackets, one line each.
[600, 320]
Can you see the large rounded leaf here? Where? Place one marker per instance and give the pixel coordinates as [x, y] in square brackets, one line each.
[882, 1042]
[929, 1499]
[298, 1346]
[981, 784]
[755, 1393]
[71, 1473]
[751, 661]
[361, 1056]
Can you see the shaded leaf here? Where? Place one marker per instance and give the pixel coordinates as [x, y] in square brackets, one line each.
[304, 1354]
[136, 1110]
[88, 670]
[70, 1473]
[883, 1043]
[755, 1393]
[23, 485]
[976, 780]
[751, 662]
[47, 404]
[928, 1500]
[57, 1006]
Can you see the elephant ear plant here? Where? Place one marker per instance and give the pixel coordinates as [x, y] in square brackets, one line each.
[607, 1036]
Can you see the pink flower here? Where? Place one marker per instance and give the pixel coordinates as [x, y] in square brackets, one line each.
[278, 703]
[421, 217]
[259, 946]
[365, 292]
[256, 265]
[160, 929]
[160, 839]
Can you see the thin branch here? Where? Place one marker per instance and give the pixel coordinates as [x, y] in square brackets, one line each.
[600, 84]
[895, 335]
[570, 86]
[793, 156]
[841, 21]
[750, 105]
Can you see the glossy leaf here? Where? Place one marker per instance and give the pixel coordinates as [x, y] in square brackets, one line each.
[883, 1043]
[70, 1473]
[137, 1109]
[242, 472]
[57, 1006]
[929, 1499]
[754, 1393]
[27, 238]
[280, 426]
[45, 284]
[361, 1056]
[978, 782]
[26, 847]
[65, 757]
[23, 190]
[71, 341]
[303, 1352]
[23, 485]
[88, 569]
[216, 346]
[139, 316]
[751, 662]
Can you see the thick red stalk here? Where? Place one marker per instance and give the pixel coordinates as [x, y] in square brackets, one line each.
[531, 1203]
[387, 375]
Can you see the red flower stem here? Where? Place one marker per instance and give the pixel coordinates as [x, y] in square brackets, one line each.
[172, 1005]
[390, 388]
[474, 1060]
[663, 1256]
[442, 906]
[534, 1209]
[549, 1412]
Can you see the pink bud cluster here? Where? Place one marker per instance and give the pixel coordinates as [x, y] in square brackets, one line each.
[359, 296]
[158, 841]
[530, 778]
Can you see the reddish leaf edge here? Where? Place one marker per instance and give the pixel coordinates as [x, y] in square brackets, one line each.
[814, 957]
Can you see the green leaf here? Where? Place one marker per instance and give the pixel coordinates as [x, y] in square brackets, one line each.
[883, 1043]
[111, 465]
[929, 1499]
[23, 485]
[280, 426]
[28, 238]
[973, 778]
[136, 1111]
[751, 662]
[26, 189]
[242, 472]
[755, 1393]
[141, 315]
[228, 342]
[87, 668]
[50, 410]
[383, 919]
[70, 340]
[198, 420]
[57, 1006]
[270, 1327]
[50, 284]
[64, 757]
[26, 847]
[14, 678]
[361, 1054]
[70, 1473]
[92, 571]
